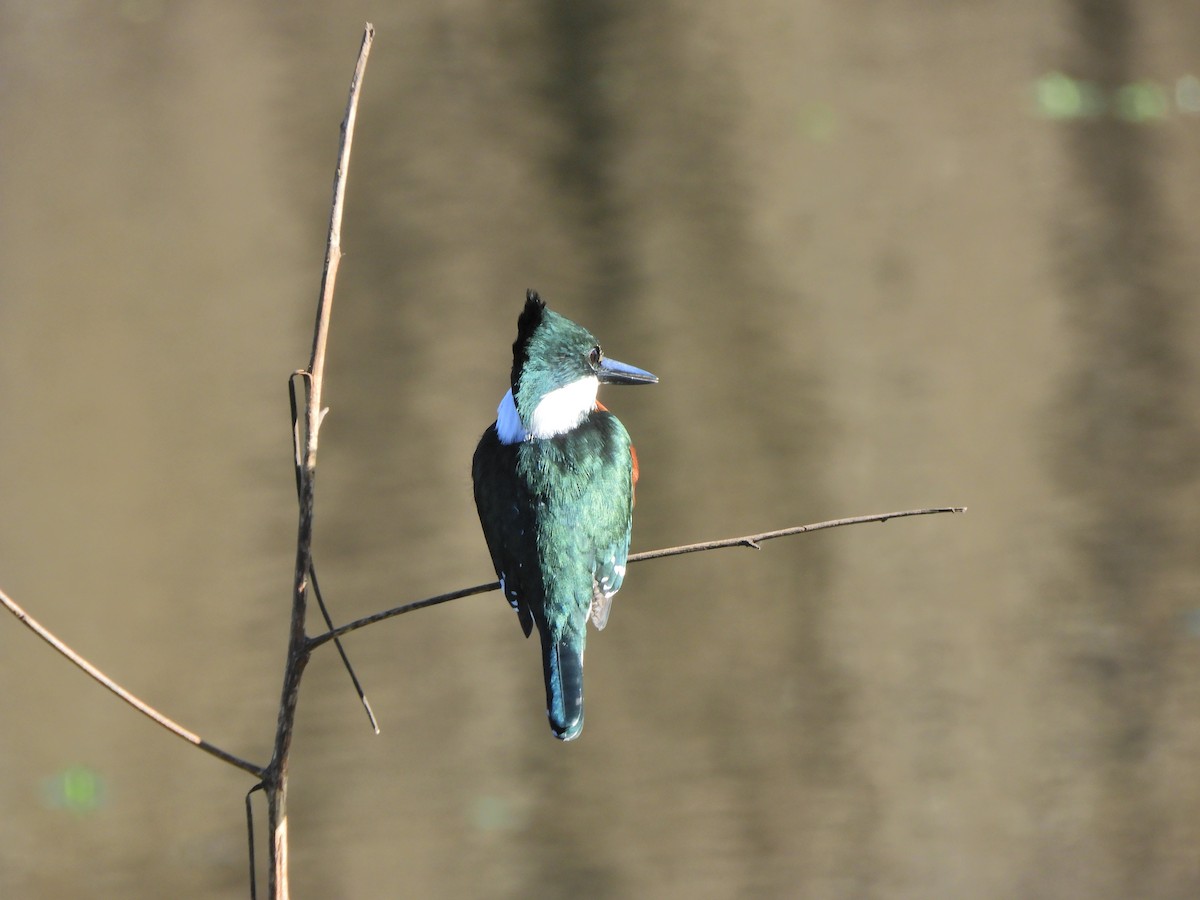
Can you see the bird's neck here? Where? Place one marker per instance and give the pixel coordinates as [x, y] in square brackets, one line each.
[559, 411]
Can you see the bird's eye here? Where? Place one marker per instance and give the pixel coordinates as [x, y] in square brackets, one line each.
[594, 357]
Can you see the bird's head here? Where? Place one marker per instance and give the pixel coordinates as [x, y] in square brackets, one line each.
[557, 369]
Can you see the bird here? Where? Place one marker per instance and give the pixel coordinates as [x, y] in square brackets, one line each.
[554, 480]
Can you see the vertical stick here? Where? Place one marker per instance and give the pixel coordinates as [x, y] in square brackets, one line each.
[276, 778]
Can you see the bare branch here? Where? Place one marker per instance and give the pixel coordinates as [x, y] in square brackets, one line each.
[275, 776]
[297, 452]
[320, 639]
[140, 705]
[753, 540]
[750, 540]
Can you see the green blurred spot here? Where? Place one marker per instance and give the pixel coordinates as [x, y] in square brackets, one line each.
[818, 122]
[1191, 622]
[1187, 94]
[78, 789]
[492, 813]
[1058, 96]
[1141, 101]
[496, 814]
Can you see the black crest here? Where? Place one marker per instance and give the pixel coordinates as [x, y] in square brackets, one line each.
[527, 324]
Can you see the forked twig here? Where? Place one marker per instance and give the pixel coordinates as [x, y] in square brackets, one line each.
[751, 540]
[312, 569]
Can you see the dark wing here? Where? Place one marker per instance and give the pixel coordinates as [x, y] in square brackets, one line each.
[505, 512]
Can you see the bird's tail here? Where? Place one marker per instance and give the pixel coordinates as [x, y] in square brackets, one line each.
[563, 664]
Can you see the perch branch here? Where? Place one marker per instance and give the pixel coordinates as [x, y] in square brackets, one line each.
[140, 705]
[754, 540]
[750, 540]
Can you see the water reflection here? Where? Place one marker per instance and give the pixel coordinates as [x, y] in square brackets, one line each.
[868, 279]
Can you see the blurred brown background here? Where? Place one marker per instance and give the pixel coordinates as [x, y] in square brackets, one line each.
[880, 255]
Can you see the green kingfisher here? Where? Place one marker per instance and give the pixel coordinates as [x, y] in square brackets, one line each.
[554, 478]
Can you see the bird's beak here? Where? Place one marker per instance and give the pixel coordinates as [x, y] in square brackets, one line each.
[613, 372]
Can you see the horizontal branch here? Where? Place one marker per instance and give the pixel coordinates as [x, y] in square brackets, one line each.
[320, 639]
[753, 540]
[140, 705]
[750, 540]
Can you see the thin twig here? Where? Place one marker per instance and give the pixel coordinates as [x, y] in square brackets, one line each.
[140, 705]
[320, 639]
[312, 569]
[753, 540]
[750, 540]
[337, 642]
[250, 840]
[275, 778]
